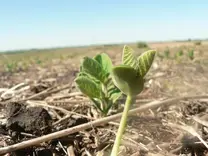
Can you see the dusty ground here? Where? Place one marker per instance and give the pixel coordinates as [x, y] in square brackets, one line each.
[50, 98]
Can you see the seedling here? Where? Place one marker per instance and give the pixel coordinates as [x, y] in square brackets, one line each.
[11, 66]
[179, 53]
[198, 43]
[129, 78]
[94, 80]
[167, 53]
[38, 61]
[142, 45]
[191, 54]
[104, 83]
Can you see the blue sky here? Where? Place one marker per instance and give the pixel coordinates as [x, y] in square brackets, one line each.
[49, 23]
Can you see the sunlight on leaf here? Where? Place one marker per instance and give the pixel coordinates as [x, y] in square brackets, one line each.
[86, 75]
[88, 87]
[105, 61]
[128, 57]
[92, 67]
[145, 61]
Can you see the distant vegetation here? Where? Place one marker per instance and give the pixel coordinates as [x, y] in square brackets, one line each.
[197, 42]
[142, 45]
[177, 54]
[167, 53]
[191, 54]
[18, 60]
[21, 60]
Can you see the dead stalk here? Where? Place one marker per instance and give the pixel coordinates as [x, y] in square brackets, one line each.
[82, 127]
[191, 130]
[203, 122]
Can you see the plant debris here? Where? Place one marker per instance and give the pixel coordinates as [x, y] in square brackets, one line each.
[44, 99]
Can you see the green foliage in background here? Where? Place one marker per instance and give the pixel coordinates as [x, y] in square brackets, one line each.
[167, 53]
[38, 61]
[142, 45]
[197, 43]
[11, 66]
[180, 53]
[191, 54]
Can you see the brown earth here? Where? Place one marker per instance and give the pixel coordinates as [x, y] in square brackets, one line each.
[51, 84]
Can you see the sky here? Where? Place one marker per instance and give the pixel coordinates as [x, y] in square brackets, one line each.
[58, 23]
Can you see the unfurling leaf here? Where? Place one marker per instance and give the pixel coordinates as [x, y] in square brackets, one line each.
[113, 92]
[93, 68]
[127, 80]
[128, 57]
[145, 61]
[88, 87]
[115, 95]
[105, 61]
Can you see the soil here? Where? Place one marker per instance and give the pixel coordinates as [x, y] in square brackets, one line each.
[29, 120]
[146, 134]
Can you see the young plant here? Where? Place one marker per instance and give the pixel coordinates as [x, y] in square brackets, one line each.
[38, 61]
[94, 80]
[129, 78]
[142, 45]
[178, 55]
[167, 53]
[191, 54]
[11, 66]
[198, 43]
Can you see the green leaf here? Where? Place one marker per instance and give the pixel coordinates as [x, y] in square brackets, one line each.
[113, 92]
[110, 85]
[89, 77]
[88, 87]
[105, 61]
[127, 80]
[93, 68]
[145, 61]
[97, 104]
[115, 95]
[128, 57]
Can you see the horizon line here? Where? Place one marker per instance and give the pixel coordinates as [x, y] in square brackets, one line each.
[99, 44]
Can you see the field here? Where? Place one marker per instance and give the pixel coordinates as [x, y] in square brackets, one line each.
[38, 96]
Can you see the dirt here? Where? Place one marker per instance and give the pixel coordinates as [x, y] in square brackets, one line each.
[146, 134]
[194, 108]
[29, 120]
[24, 123]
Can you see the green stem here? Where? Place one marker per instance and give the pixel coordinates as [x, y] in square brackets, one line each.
[122, 126]
[104, 89]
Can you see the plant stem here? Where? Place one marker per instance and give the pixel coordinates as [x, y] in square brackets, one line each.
[122, 126]
[104, 103]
